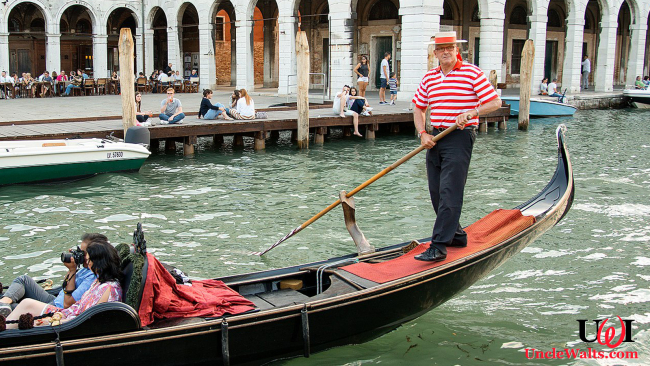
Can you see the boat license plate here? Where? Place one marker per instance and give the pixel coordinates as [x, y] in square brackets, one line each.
[114, 154]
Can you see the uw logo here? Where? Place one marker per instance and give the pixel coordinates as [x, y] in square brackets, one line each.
[607, 337]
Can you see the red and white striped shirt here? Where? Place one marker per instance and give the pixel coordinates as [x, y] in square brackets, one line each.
[460, 91]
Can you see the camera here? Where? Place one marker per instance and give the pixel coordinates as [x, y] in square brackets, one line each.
[78, 255]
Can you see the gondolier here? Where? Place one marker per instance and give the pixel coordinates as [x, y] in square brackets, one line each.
[458, 93]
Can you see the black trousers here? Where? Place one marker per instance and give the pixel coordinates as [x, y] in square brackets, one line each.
[447, 166]
[141, 117]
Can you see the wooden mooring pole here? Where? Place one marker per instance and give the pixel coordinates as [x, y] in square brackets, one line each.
[432, 62]
[526, 73]
[302, 61]
[125, 48]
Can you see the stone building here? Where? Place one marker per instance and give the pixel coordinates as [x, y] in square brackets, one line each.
[250, 43]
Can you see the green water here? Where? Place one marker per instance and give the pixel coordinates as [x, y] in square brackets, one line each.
[206, 213]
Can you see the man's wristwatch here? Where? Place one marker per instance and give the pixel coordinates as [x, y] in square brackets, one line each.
[421, 133]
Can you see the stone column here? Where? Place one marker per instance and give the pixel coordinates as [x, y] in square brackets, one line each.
[53, 53]
[572, 69]
[245, 75]
[174, 48]
[490, 52]
[4, 53]
[287, 54]
[207, 66]
[148, 45]
[637, 52]
[537, 33]
[342, 34]
[100, 56]
[139, 60]
[420, 21]
[604, 78]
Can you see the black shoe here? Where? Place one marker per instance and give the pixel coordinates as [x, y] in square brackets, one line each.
[431, 255]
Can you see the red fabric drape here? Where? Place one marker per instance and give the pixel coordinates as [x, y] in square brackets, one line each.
[162, 298]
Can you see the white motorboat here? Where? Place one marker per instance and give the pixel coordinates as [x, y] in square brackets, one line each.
[49, 160]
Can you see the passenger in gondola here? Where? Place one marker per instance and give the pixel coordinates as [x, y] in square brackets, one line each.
[104, 261]
[457, 93]
[77, 281]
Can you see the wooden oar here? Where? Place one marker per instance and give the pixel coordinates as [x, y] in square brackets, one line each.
[356, 190]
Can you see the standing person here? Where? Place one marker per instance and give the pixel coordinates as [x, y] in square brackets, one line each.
[209, 111]
[552, 89]
[141, 116]
[586, 69]
[383, 76]
[363, 70]
[171, 109]
[392, 83]
[457, 93]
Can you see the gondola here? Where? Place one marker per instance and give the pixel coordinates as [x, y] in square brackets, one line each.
[344, 300]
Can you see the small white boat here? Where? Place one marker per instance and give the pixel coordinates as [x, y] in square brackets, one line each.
[50, 160]
[640, 98]
[541, 107]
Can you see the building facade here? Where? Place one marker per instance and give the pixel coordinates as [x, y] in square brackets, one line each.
[251, 43]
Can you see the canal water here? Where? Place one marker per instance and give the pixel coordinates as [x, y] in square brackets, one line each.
[205, 214]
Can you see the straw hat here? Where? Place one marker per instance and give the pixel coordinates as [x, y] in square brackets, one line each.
[446, 38]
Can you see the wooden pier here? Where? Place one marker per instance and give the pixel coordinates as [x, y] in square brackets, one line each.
[284, 119]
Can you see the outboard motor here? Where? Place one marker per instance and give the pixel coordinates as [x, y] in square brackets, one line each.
[138, 135]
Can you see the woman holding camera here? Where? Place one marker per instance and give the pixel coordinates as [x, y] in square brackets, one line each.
[104, 261]
[77, 280]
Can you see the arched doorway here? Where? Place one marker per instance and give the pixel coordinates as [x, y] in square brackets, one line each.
[622, 44]
[118, 19]
[555, 40]
[379, 31]
[188, 35]
[312, 17]
[76, 26]
[515, 35]
[159, 27]
[590, 38]
[26, 39]
[462, 16]
[225, 52]
[265, 43]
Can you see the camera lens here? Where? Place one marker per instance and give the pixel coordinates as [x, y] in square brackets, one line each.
[66, 257]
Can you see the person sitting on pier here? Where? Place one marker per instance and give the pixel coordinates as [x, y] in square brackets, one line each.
[209, 111]
[339, 108]
[104, 262]
[234, 97]
[358, 103]
[77, 282]
[552, 89]
[245, 107]
[638, 84]
[171, 109]
[543, 87]
[141, 116]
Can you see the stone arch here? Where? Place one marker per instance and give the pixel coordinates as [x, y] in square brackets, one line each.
[134, 12]
[152, 15]
[158, 22]
[39, 4]
[89, 8]
[188, 19]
